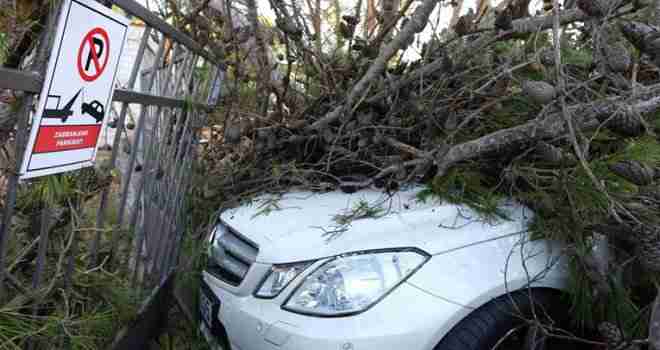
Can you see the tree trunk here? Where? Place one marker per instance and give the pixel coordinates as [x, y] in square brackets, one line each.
[371, 21]
[389, 9]
[263, 66]
[456, 13]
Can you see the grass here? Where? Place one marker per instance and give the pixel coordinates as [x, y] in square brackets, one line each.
[87, 317]
[3, 47]
[83, 315]
[181, 334]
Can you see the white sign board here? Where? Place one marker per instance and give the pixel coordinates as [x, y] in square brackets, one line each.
[77, 92]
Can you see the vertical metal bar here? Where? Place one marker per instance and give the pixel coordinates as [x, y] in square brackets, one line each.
[139, 231]
[132, 223]
[100, 215]
[43, 246]
[182, 190]
[142, 192]
[126, 181]
[12, 186]
[41, 256]
[68, 271]
[171, 132]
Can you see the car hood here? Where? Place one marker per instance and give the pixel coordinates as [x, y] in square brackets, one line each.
[298, 226]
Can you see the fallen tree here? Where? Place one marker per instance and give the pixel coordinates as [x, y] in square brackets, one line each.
[557, 110]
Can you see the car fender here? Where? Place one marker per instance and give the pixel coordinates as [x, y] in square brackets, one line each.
[472, 276]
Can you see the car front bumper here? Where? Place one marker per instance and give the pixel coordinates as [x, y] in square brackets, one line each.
[407, 318]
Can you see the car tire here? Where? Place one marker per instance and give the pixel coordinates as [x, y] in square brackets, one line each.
[489, 324]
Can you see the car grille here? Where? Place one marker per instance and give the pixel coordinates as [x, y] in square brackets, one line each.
[232, 256]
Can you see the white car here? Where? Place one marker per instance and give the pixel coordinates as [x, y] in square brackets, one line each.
[374, 271]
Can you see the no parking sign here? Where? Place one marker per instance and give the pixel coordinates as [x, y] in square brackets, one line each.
[77, 92]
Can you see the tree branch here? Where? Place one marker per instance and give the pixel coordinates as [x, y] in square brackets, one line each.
[586, 118]
[416, 24]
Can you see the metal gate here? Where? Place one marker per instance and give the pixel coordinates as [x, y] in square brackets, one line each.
[154, 156]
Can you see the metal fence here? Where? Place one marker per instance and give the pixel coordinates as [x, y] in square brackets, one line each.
[154, 158]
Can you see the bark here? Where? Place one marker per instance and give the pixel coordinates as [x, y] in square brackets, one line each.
[315, 14]
[389, 10]
[456, 13]
[585, 118]
[263, 65]
[482, 8]
[371, 21]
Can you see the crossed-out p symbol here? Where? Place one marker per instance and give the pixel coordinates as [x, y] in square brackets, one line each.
[93, 54]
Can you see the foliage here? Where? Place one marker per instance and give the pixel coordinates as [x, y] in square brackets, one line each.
[469, 188]
[3, 46]
[85, 318]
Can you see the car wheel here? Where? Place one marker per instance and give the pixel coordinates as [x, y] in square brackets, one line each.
[501, 324]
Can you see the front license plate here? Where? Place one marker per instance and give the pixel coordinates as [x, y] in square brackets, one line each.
[209, 338]
[208, 305]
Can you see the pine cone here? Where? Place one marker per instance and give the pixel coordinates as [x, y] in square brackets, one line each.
[610, 333]
[626, 124]
[636, 172]
[547, 57]
[617, 57]
[644, 37]
[593, 8]
[465, 23]
[539, 91]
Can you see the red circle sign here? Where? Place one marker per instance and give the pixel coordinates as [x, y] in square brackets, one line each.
[96, 47]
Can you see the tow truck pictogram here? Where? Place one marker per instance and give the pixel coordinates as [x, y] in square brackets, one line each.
[94, 109]
[63, 113]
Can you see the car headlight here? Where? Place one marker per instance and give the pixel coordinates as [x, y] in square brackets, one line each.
[352, 284]
[278, 278]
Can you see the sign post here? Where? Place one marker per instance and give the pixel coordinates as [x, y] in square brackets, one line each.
[77, 91]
